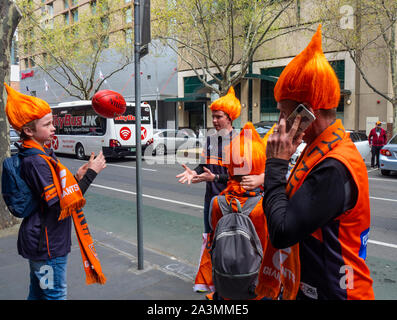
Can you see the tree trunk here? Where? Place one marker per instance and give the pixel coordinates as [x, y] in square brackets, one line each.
[9, 19]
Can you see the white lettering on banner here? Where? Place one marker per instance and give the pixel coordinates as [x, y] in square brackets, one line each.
[287, 273]
[279, 257]
[69, 190]
[62, 176]
[347, 280]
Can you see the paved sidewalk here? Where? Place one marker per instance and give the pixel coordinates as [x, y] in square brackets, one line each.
[163, 277]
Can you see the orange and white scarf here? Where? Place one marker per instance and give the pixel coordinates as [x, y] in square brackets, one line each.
[71, 203]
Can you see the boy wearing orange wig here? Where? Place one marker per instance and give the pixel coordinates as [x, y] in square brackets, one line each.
[45, 235]
[322, 212]
[213, 171]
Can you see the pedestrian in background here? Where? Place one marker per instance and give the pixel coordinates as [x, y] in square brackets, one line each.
[45, 235]
[377, 139]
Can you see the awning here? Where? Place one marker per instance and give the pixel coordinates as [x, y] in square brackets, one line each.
[192, 98]
[261, 76]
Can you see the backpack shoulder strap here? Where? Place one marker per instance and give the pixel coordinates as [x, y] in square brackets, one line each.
[30, 152]
[226, 207]
[250, 204]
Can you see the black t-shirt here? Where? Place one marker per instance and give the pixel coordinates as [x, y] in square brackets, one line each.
[214, 158]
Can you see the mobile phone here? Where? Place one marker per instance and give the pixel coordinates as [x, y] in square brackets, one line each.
[306, 118]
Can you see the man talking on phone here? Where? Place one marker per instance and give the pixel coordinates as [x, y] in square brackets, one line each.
[320, 217]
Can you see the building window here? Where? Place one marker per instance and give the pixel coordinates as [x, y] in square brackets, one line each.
[128, 36]
[128, 16]
[66, 4]
[32, 63]
[75, 15]
[75, 3]
[50, 9]
[93, 7]
[105, 41]
[66, 17]
[268, 111]
[94, 44]
[339, 67]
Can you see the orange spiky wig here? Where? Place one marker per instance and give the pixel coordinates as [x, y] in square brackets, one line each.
[229, 104]
[309, 78]
[22, 109]
[247, 153]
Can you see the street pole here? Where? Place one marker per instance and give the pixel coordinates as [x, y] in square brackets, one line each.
[137, 47]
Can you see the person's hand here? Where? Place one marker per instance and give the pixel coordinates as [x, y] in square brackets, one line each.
[205, 176]
[83, 169]
[282, 144]
[252, 182]
[186, 175]
[97, 163]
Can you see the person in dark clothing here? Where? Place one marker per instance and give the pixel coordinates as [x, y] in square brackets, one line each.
[45, 236]
[213, 171]
[377, 139]
[320, 217]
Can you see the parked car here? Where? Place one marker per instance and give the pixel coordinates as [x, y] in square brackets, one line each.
[169, 140]
[360, 139]
[14, 137]
[263, 127]
[388, 157]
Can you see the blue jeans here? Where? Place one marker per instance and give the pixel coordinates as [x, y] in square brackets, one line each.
[48, 279]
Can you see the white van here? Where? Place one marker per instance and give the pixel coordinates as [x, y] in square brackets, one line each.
[80, 130]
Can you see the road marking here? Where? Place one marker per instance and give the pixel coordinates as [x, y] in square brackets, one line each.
[383, 244]
[201, 207]
[380, 179]
[383, 199]
[149, 196]
[121, 166]
[129, 167]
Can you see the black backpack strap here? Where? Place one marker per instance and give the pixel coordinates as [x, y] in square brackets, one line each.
[43, 225]
[26, 152]
[246, 209]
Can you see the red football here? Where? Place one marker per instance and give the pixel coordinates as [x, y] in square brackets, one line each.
[108, 104]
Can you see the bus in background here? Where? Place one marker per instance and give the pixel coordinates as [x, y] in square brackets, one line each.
[80, 130]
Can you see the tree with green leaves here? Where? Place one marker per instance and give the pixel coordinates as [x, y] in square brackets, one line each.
[366, 29]
[9, 19]
[69, 50]
[218, 39]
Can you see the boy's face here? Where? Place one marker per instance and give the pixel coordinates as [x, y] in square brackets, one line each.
[45, 129]
[220, 120]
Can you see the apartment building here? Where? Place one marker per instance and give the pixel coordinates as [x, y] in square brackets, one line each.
[158, 68]
[359, 107]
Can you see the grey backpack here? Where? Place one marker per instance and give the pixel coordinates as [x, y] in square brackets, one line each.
[236, 252]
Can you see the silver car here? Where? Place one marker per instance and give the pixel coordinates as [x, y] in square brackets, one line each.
[360, 140]
[14, 137]
[388, 157]
[169, 140]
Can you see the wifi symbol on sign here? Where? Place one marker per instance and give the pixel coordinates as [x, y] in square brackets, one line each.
[125, 133]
